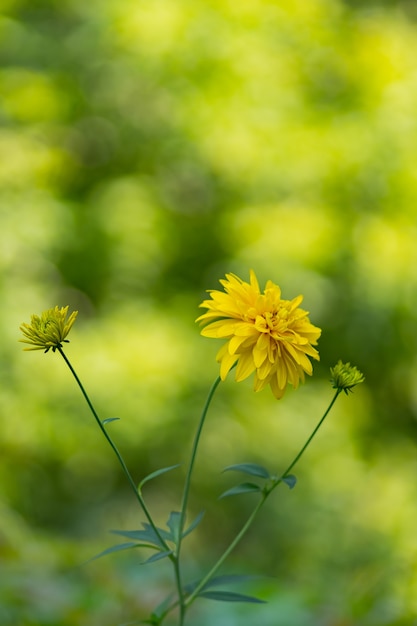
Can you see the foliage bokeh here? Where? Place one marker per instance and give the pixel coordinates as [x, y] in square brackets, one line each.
[147, 148]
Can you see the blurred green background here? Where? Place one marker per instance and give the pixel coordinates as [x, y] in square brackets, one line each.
[147, 148]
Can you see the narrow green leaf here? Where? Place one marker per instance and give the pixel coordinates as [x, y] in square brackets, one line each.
[119, 547]
[193, 524]
[148, 534]
[226, 579]
[229, 579]
[230, 596]
[242, 488]
[110, 419]
[290, 480]
[173, 524]
[159, 472]
[162, 607]
[249, 468]
[164, 533]
[157, 557]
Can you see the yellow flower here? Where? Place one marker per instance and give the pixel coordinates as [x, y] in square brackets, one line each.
[49, 330]
[345, 376]
[266, 335]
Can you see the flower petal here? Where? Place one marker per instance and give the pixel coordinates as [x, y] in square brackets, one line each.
[245, 367]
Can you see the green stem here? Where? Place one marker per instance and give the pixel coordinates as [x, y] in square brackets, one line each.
[115, 450]
[194, 453]
[309, 440]
[186, 494]
[226, 553]
[255, 511]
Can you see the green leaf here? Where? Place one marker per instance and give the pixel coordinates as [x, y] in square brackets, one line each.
[193, 524]
[148, 534]
[121, 546]
[242, 488]
[159, 472]
[173, 524]
[229, 596]
[110, 419]
[290, 480]
[226, 579]
[249, 468]
[229, 579]
[157, 557]
[161, 608]
[164, 533]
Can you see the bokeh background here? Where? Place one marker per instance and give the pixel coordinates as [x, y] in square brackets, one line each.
[147, 148]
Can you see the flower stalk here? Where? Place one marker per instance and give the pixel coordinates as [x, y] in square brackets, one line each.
[264, 495]
[265, 335]
[186, 492]
[114, 448]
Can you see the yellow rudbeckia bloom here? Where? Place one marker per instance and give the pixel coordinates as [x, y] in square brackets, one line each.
[265, 334]
[49, 329]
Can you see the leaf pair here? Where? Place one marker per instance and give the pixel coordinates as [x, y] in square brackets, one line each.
[174, 525]
[148, 538]
[253, 469]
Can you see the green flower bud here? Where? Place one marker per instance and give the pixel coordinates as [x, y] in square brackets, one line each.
[345, 376]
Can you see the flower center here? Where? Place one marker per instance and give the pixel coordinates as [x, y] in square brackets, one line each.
[45, 325]
[271, 322]
[49, 329]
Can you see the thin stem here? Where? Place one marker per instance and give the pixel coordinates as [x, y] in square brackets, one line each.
[255, 511]
[194, 451]
[178, 583]
[186, 494]
[115, 450]
[228, 550]
[307, 443]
